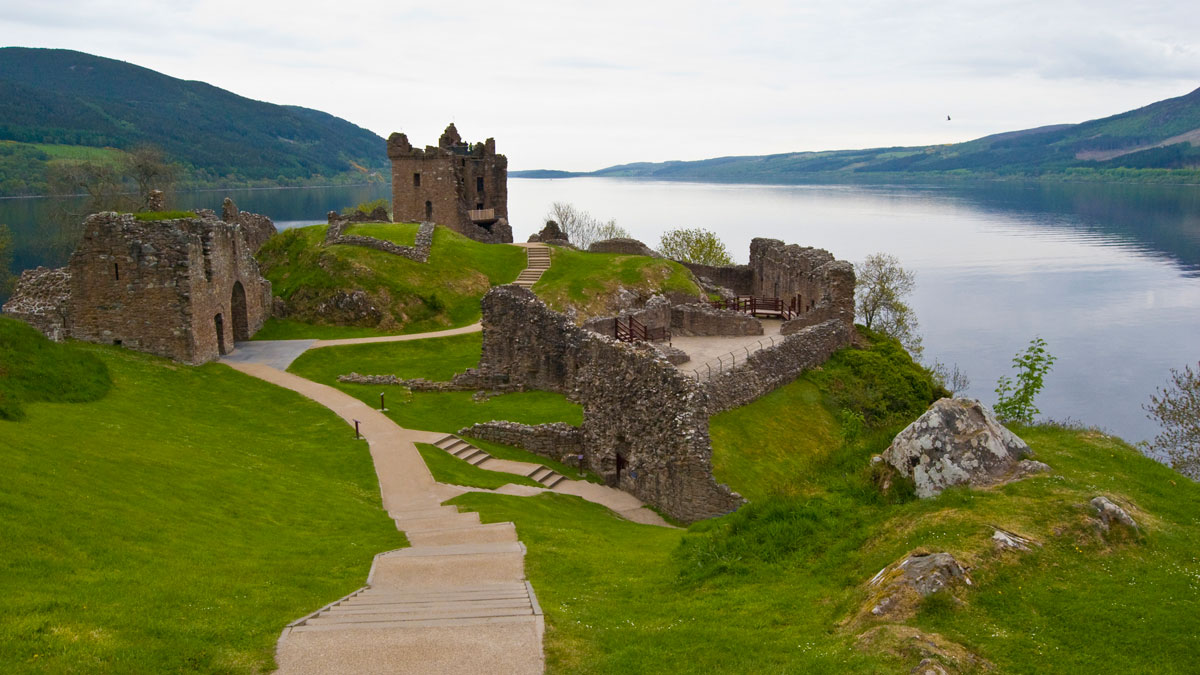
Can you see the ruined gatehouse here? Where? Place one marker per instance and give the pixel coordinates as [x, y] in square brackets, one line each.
[460, 185]
[184, 288]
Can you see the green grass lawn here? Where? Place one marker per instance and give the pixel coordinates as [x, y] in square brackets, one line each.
[447, 468]
[33, 368]
[177, 523]
[404, 234]
[587, 281]
[413, 297]
[434, 359]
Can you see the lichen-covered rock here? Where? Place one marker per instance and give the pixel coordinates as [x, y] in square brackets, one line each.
[1003, 540]
[1110, 513]
[959, 442]
[902, 584]
[938, 655]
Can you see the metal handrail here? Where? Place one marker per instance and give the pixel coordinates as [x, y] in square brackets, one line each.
[721, 366]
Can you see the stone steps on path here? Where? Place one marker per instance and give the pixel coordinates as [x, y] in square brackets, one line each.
[537, 257]
[475, 604]
[473, 455]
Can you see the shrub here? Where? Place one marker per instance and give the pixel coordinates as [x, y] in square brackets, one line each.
[694, 245]
[1014, 399]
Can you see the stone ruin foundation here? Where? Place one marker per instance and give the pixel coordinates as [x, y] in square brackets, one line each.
[186, 288]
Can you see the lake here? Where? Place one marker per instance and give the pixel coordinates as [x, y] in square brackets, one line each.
[1108, 275]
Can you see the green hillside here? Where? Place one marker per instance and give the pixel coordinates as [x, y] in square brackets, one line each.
[1160, 141]
[174, 521]
[60, 97]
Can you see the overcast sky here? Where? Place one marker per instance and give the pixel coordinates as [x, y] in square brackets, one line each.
[581, 86]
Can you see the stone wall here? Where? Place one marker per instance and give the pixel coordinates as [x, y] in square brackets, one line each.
[699, 319]
[656, 313]
[557, 441]
[471, 380]
[768, 369]
[737, 278]
[624, 246]
[42, 299]
[419, 251]
[819, 283]
[645, 424]
[257, 228]
[444, 183]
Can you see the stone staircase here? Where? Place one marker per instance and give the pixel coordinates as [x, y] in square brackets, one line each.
[422, 586]
[538, 256]
[473, 455]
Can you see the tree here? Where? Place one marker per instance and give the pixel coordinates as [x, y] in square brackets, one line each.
[694, 245]
[880, 288]
[1176, 408]
[581, 227]
[1014, 399]
[147, 167]
[951, 377]
[6, 258]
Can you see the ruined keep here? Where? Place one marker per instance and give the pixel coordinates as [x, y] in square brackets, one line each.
[456, 184]
[186, 288]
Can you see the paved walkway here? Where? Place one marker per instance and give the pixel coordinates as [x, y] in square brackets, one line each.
[456, 601]
[706, 350]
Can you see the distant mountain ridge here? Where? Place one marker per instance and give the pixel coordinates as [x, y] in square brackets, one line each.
[57, 96]
[1163, 137]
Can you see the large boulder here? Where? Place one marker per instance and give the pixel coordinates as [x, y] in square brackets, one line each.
[551, 234]
[959, 442]
[898, 588]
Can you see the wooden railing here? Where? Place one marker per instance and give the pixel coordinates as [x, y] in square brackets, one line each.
[756, 306]
[482, 215]
[632, 330]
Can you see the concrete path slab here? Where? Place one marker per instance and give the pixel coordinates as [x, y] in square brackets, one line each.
[278, 354]
[464, 330]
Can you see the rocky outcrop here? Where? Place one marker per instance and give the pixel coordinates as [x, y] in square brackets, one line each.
[937, 655]
[959, 442]
[1109, 514]
[623, 246]
[897, 588]
[551, 234]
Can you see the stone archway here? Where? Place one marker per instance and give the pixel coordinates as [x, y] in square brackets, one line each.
[428, 210]
[220, 325]
[237, 307]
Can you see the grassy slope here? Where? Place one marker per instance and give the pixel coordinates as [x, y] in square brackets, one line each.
[34, 369]
[587, 281]
[177, 523]
[434, 359]
[415, 297]
[786, 572]
[447, 468]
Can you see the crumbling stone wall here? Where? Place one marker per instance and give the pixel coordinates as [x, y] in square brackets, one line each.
[186, 289]
[645, 424]
[557, 441]
[256, 227]
[623, 246]
[768, 369]
[419, 251]
[42, 299]
[655, 314]
[551, 234]
[444, 183]
[737, 278]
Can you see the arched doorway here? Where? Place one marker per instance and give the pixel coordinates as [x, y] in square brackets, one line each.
[220, 324]
[428, 210]
[237, 306]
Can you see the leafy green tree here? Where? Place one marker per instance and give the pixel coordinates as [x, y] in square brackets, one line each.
[1014, 398]
[694, 245]
[1176, 408]
[880, 290]
[6, 258]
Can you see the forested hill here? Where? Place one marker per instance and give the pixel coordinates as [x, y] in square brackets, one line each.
[1158, 142]
[53, 97]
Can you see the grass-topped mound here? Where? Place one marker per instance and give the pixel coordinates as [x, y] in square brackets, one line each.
[33, 368]
[353, 291]
[592, 283]
[177, 523]
[788, 573]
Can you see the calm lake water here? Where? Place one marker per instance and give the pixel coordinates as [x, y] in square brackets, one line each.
[1108, 275]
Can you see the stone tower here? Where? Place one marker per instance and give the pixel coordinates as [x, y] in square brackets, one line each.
[456, 184]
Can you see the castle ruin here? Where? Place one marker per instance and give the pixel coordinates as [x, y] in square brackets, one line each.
[462, 186]
[185, 288]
